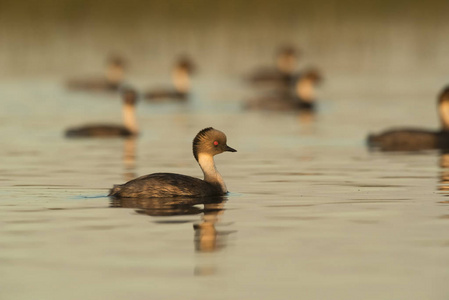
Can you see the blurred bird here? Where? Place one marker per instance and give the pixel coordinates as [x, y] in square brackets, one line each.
[111, 81]
[129, 128]
[283, 73]
[411, 139]
[181, 73]
[301, 95]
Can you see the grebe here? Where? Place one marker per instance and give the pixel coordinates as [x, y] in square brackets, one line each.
[206, 144]
[416, 139]
[181, 73]
[305, 88]
[105, 130]
[300, 96]
[113, 78]
[283, 74]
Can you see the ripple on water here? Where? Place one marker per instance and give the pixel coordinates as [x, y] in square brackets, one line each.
[305, 216]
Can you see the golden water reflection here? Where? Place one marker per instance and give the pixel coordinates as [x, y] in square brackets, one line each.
[206, 237]
[444, 173]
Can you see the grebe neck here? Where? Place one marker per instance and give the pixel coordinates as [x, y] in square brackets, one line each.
[129, 117]
[305, 90]
[444, 115]
[286, 65]
[115, 74]
[181, 80]
[210, 172]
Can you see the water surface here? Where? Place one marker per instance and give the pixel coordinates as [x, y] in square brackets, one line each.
[311, 214]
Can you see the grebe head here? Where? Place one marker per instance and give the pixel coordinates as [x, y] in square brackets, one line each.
[286, 59]
[443, 107]
[185, 64]
[210, 141]
[313, 74]
[115, 71]
[444, 95]
[116, 61]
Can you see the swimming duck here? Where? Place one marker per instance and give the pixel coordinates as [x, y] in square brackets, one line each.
[283, 74]
[110, 130]
[300, 96]
[416, 139]
[305, 88]
[206, 144]
[112, 80]
[181, 73]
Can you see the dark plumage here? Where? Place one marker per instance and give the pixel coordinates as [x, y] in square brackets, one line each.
[111, 130]
[181, 73]
[112, 80]
[416, 139]
[166, 185]
[278, 102]
[98, 84]
[409, 140]
[283, 73]
[207, 143]
[300, 95]
[303, 105]
[169, 206]
[99, 131]
[162, 95]
[270, 76]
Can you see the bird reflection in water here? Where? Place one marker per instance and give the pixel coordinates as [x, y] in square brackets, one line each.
[307, 120]
[129, 158]
[444, 173]
[306, 117]
[206, 237]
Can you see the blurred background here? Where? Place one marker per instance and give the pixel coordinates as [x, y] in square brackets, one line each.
[48, 38]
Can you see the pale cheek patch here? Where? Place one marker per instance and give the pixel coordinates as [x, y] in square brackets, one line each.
[444, 114]
[304, 90]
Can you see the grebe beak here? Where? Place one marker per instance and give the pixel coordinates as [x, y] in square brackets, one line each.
[230, 149]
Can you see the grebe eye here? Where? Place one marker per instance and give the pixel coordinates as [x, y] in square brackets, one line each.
[215, 143]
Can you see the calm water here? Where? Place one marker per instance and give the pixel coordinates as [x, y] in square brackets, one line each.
[311, 215]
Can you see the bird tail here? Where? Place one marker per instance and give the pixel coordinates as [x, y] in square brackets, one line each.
[115, 190]
[70, 133]
[372, 140]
